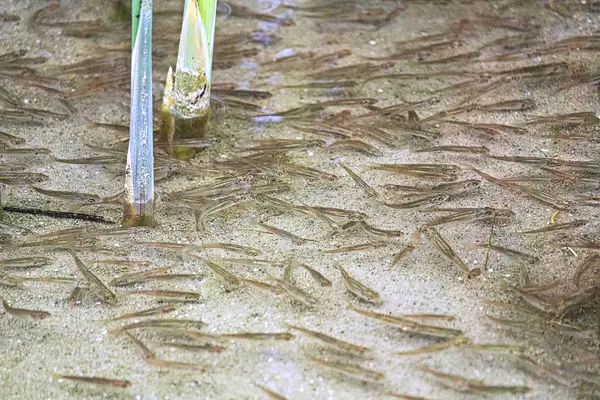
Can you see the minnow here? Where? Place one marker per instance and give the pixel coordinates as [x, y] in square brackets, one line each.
[134, 277]
[556, 227]
[286, 144]
[71, 196]
[95, 380]
[459, 341]
[237, 248]
[272, 394]
[505, 250]
[143, 313]
[351, 370]
[409, 248]
[285, 336]
[357, 247]
[370, 229]
[253, 262]
[23, 312]
[433, 199]
[339, 212]
[588, 263]
[358, 289]
[171, 295]
[455, 149]
[100, 290]
[284, 234]
[494, 129]
[444, 248]
[263, 285]
[24, 262]
[538, 195]
[447, 188]
[407, 325]
[548, 162]
[337, 343]
[295, 292]
[579, 118]
[219, 270]
[42, 279]
[476, 386]
[211, 348]
[482, 214]
[316, 275]
[356, 145]
[360, 182]
[162, 324]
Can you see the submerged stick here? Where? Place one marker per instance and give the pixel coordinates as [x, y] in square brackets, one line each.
[139, 182]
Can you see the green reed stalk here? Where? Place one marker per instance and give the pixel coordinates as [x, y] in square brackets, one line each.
[139, 173]
[186, 100]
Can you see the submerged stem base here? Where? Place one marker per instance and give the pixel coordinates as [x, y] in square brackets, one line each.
[192, 127]
[175, 128]
[137, 215]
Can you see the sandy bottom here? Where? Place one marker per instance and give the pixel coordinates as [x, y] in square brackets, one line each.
[75, 340]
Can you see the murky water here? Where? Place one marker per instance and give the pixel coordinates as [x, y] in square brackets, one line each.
[423, 57]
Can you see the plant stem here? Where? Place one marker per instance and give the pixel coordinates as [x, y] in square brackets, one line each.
[139, 174]
[136, 6]
[186, 102]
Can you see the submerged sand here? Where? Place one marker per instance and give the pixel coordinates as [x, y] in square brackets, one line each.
[75, 340]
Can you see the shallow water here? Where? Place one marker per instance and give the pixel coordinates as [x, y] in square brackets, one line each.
[74, 340]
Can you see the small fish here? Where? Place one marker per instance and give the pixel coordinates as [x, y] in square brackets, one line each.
[459, 341]
[135, 277]
[295, 292]
[284, 234]
[587, 264]
[409, 248]
[407, 325]
[359, 289]
[316, 275]
[100, 290]
[339, 344]
[272, 394]
[455, 149]
[444, 249]
[579, 118]
[71, 196]
[94, 380]
[171, 295]
[434, 199]
[468, 216]
[357, 247]
[506, 251]
[237, 248]
[351, 370]
[285, 336]
[24, 262]
[211, 348]
[356, 145]
[556, 227]
[474, 386]
[23, 312]
[157, 362]
[143, 313]
[219, 270]
[162, 324]
[360, 182]
[538, 195]
[263, 285]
